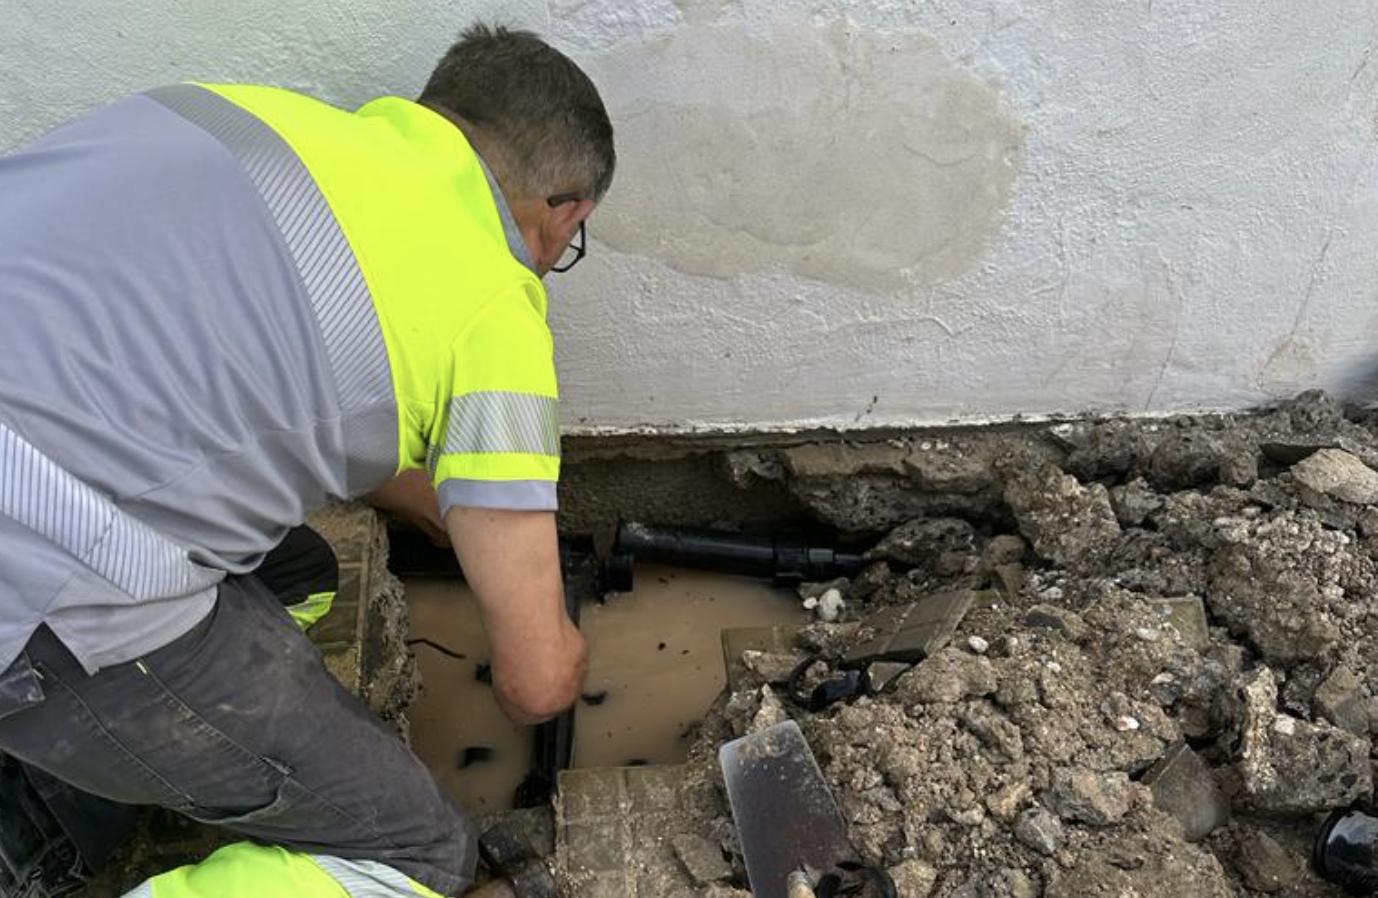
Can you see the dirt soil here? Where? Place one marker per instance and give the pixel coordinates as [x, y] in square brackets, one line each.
[1086, 731]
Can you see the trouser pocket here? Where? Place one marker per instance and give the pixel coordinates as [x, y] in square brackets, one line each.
[20, 687]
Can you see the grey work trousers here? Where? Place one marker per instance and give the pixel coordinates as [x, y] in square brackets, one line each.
[237, 723]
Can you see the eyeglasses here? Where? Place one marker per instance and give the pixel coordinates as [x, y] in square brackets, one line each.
[578, 247]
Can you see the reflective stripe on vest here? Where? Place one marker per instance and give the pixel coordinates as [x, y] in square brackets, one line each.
[496, 422]
[329, 271]
[41, 495]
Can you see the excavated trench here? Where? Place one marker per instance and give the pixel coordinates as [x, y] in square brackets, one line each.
[1145, 663]
[1148, 669]
[655, 670]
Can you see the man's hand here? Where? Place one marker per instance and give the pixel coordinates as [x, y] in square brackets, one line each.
[411, 497]
[511, 560]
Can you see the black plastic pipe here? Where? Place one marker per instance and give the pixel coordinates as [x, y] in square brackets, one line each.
[785, 560]
[1346, 851]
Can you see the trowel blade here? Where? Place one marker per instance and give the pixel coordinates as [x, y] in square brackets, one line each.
[786, 816]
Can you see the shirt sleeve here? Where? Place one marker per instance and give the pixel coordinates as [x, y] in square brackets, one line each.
[497, 442]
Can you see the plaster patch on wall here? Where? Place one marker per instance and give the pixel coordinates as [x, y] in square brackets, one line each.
[854, 157]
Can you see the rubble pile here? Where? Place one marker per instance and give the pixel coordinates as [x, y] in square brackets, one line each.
[1162, 677]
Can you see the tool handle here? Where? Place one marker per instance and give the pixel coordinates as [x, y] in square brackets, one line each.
[799, 886]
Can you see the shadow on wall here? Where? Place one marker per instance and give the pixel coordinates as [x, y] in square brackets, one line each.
[860, 158]
[1363, 388]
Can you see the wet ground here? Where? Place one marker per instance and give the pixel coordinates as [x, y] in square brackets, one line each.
[655, 669]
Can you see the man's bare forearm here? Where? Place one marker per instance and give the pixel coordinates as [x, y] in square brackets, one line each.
[511, 561]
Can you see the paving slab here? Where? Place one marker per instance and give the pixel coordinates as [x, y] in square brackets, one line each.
[913, 632]
[615, 831]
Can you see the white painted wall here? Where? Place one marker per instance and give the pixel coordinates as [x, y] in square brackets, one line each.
[889, 212]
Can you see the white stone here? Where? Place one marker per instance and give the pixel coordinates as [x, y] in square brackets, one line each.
[830, 606]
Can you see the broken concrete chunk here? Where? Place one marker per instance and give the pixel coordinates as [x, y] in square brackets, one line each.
[1182, 785]
[1010, 578]
[1051, 617]
[870, 581]
[996, 732]
[915, 631]
[1187, 614]
[769, 712]
[1288, 449]
[1091, 797]
[1314, 410]
[1264, 865]
[844, 459]
[770, 666]
[1066, 523]
[1039, 829]
[702, 858]
[1256, 594]
[914, 878]
[1239, 466]
[744, 467]
[923, 540]
[949, 676]
[1104, 449]
[1339, 475]
[1343, 700]
[725, 892]
[954, 563]
[1016, 884]
[1134, 502]
[881, 674]
[1186, 459]
[1005, 803]
[1007, 548]
[1289, 766]
[1139, 865]
[762, 641]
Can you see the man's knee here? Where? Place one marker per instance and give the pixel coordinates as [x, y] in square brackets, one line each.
[438, 844]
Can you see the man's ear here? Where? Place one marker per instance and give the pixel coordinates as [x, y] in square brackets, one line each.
[564, 219]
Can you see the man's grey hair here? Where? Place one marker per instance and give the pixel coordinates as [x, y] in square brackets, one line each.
[530, 112]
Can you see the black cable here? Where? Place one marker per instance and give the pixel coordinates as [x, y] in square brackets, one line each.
[421, 640]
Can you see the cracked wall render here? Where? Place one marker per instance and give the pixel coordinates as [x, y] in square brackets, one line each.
[1189, 224]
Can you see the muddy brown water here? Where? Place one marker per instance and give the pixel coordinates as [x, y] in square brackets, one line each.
[655, 666]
